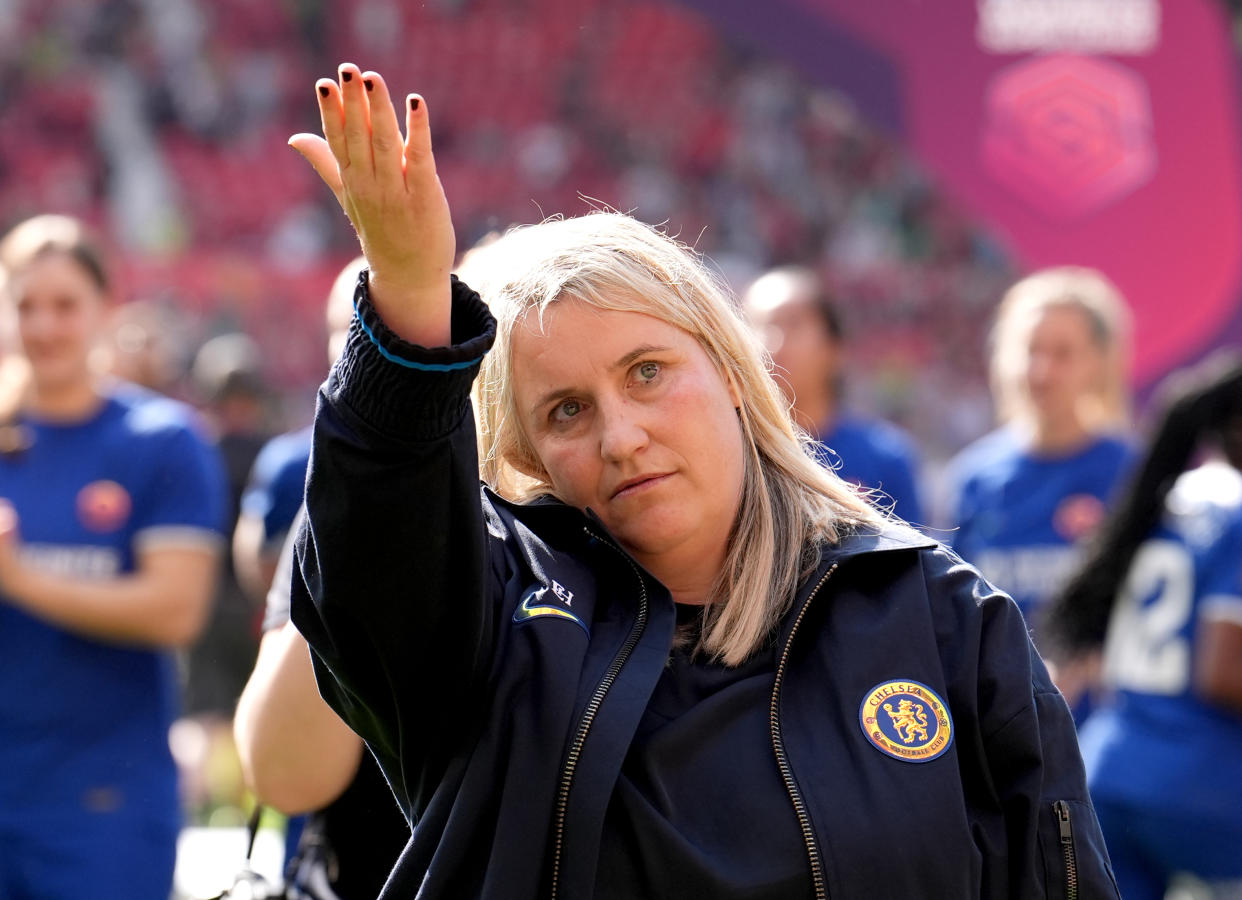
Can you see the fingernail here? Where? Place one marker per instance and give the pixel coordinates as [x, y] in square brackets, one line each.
[414, 104]
[323, 91]
[368, 83]
[347, 76]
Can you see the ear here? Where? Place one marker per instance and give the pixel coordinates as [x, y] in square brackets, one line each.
[735, 392]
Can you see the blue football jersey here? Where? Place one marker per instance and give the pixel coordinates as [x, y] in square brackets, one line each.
[84, 723]
[1019, 516]
[1154, 744]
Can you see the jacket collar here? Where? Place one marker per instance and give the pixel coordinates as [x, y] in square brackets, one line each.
[570, 523]
[889, 537]
[549, 512]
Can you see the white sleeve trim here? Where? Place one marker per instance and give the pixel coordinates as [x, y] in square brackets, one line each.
[1222, 608]
[186, 537]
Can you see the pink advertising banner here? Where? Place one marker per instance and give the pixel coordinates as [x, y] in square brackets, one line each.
[1095, 132]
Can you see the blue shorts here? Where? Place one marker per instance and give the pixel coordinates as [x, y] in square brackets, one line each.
[93, 856]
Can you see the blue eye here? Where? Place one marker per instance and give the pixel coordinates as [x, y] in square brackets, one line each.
[568, 409]
[648, 371]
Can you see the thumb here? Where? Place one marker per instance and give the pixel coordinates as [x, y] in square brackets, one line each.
[315, 151]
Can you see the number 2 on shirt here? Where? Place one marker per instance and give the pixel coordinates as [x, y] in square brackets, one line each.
[1147, 650]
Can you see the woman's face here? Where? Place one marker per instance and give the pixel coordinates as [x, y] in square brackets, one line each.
[630, 417]
[1064, 362]
[60, 314]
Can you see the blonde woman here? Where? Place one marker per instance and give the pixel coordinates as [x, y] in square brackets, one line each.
[661, 652]
[1028, 493]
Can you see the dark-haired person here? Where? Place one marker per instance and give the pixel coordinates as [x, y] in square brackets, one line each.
[1160, 595]
[1025, 496]
[110, 519]
[663, 652]
[802, 329]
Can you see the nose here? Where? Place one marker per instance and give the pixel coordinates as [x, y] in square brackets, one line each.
[622, 431]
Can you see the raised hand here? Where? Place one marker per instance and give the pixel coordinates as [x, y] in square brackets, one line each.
[388, 187]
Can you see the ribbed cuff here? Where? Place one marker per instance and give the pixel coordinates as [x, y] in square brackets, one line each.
[405, 390]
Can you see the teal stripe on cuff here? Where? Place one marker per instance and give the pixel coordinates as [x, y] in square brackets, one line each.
[409, 363]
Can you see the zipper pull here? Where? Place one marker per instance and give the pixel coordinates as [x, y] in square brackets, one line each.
[1063, 820]
[1062, 810]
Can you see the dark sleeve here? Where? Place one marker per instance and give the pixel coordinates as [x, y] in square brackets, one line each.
[1034, 766]
[392, 587]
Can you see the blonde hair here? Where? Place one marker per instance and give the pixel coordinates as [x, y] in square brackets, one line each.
[790, 504]
[1107, 405]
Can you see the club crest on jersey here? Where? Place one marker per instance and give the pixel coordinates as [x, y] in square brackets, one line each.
[906, 720]
[1077, 516]
[103, 506]
[555, 601]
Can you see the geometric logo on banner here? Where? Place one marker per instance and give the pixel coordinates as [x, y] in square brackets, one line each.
[1069, 134]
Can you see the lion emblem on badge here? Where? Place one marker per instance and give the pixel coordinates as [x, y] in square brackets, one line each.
[909, 720]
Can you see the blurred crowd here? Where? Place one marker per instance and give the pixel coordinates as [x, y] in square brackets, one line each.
[164, 124]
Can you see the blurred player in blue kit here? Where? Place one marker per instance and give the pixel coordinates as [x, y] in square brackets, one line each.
[1160, 595]
[802, 329]
[111, 508]
[1025, 495]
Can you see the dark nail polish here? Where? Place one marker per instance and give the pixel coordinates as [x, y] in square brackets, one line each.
[323, 91]
[414, 104]
[368, 83]
[347, 76]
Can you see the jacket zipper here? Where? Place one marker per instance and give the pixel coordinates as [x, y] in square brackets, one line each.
[778, 744]
[588, 716]
[1067, 848]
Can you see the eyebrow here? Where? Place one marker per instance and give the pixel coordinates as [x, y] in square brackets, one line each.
[624, 362]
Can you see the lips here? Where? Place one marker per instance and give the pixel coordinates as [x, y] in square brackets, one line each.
[633, 486]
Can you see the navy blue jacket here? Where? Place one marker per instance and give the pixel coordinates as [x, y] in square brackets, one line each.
[498, 657]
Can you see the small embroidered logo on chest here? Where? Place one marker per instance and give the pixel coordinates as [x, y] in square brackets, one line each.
[566, 595]
[103, 506]
[906, 720]
[537, 603]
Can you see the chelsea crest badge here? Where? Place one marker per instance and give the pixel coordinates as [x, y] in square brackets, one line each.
[906, 720]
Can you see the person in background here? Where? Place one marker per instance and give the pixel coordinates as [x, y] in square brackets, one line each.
[661, 651]
[1025, 495]
[148, 345]
[228, 379]
[802, 328]
[296, 753]
[1159, 595]
[229, 388]
[277, 479]
[111, 512]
